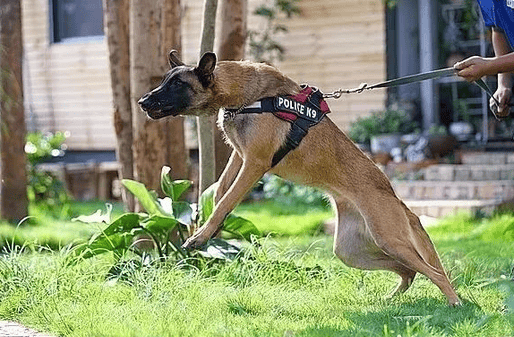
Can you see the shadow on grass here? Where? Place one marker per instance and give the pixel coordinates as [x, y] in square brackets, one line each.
[425, 317]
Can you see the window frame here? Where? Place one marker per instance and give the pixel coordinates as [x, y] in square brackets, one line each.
[52, 9]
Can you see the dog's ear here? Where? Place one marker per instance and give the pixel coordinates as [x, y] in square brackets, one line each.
[205, 69]
[173, 59]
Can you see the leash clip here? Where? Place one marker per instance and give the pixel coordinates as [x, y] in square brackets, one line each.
[338, 93]
[230, 114]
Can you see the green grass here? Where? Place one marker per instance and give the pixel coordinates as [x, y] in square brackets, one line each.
[284, 219]
[49, 231]
[283, 286]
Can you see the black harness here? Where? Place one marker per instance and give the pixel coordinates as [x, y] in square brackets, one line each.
[303, 110]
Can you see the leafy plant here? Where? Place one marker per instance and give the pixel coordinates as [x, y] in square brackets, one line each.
[437, 130]
[290, 193]
[262, 44]
[165, 223]
[44, 188]
[381, 122]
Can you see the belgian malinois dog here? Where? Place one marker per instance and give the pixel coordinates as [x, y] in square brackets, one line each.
[374, 230]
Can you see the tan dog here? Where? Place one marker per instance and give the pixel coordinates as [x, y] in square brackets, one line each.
[375, 230]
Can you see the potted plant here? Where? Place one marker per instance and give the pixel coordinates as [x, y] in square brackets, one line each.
[382, 130]
[462, 128]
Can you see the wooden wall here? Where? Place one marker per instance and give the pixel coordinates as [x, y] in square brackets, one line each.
[332, 44]
[67, 85]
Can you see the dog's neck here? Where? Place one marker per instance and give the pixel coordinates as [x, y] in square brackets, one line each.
[239, 84]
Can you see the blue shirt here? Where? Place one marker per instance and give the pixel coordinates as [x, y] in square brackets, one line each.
[500, 14]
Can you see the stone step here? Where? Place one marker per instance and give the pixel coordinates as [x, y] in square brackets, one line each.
[494, 190]
[487, 158]
[442, 208]
[465, 172]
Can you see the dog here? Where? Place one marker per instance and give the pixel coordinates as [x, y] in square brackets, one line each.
[374, 230]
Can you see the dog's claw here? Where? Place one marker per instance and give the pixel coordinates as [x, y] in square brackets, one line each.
[455, 304]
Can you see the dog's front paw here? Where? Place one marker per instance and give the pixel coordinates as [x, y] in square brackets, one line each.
[194, 242]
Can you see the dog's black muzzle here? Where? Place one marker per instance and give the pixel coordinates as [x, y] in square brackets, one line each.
[155, 109]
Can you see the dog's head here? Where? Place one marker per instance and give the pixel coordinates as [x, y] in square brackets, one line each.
[184, 90]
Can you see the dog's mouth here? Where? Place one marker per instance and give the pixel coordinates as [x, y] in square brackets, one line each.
[160, 113]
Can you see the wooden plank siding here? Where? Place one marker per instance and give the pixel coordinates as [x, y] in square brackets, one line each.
[67, 85]
[332, 44]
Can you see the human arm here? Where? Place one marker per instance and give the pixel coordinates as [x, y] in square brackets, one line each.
[501, 64]
[476, 67]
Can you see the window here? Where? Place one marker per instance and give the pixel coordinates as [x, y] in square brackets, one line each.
[73, 19]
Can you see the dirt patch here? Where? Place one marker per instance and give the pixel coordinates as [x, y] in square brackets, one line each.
[13, 329]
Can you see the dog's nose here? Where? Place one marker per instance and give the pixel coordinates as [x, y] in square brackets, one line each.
[144, 101]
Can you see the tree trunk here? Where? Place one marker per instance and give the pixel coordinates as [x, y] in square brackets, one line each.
[14, 201]
[232, 48]
[175, 142]
[147, 59]
[233, 30]
[116, 21]
[206, 124]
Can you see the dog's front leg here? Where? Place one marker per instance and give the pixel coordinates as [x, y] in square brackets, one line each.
[249, 174]
[228, 176]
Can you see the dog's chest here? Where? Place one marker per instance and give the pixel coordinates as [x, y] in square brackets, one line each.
[235, 129]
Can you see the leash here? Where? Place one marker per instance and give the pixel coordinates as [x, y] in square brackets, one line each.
[418, 78]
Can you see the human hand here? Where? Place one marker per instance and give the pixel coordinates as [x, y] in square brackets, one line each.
[472, 68]
[502, 96]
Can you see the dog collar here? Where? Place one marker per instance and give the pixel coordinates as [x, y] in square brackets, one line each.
[303, 110]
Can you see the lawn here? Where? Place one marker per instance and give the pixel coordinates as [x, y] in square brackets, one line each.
[282, 285]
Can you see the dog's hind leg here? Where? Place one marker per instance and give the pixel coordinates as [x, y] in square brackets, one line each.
[356, 248]
[250, 173]
[407, 276]
[398, 233]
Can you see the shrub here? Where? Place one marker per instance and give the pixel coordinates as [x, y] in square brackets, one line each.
[292, 194]
[381, 122]
[163, 218]
[44, 188]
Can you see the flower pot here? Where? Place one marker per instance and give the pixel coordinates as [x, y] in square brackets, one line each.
[385, 143]
[461, 130]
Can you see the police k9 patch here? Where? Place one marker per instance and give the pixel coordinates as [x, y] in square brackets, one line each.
[302, 110]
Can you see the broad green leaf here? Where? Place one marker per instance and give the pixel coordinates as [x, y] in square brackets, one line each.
[180, 210]
[118, 243]
[179, 187]
[167, 182]
[166, 204]
[159, 224]
[206, 203]
[183, 212]
[147, 199]
[173, 189]
[118, 236]
[220, 249]
[240, 226]
[125, 223]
